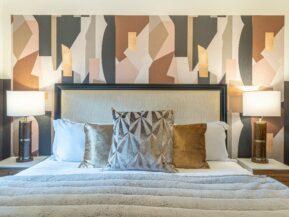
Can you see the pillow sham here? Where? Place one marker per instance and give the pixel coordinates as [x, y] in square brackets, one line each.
[97, 145]
[69, 138]
[142, 141]
[215, 138]
[189, 146]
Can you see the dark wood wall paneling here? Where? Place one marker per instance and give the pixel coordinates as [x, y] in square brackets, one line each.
[5, 131]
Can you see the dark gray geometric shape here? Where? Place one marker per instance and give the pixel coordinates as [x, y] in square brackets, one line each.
[204, 30]
[86, 80]
[245, 140]
[44, 123]
[202, 80]
[286, 122]
[44, 24]
[108, 50]
[181, 35]
[245, 51]
[67, 79]
[223, 80]
[68, 28]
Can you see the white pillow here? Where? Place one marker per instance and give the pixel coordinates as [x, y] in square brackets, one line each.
[69, 140]
[215, 138]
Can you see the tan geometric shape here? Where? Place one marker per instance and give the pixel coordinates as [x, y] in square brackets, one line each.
[157, 38]
[261, 25]
[33, 43]
[269, 142]
[159, 69]
[22, 77]
[269, 40]
[190, 42]
[138, 57]
[154, 21]
[123, 25]
[18, 21]
[66, 61]
[54, 41]
[235, 98]
[235, 104]
[132, 41]
[203, 62]
[169, 44]
[20, 39]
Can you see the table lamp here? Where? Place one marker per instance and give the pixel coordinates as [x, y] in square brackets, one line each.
[24, 104]
[261, 104]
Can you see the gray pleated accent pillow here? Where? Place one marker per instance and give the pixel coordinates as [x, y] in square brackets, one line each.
[142, 141]
[98, 139]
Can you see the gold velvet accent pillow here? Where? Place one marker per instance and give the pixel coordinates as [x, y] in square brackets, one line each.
[189, 146]
[97, 145]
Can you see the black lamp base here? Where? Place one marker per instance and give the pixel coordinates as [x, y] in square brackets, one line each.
[259, 143]
[20, 160]
[25, 141]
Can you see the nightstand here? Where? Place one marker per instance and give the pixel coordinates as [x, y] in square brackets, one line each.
[274, 169]
[9, 166]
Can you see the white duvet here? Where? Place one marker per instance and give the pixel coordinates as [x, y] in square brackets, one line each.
[142, 194]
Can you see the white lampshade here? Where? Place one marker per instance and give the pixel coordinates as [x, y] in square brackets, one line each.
[262, 103]
[25, 103]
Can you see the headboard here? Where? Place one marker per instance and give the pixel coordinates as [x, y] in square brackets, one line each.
[93, 102]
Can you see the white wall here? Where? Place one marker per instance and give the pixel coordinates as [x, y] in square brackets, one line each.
[131, 7]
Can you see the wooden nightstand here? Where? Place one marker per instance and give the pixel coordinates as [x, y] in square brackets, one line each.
[9, 166]
[274, 169]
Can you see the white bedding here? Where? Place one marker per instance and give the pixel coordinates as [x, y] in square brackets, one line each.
[52, 167]
[131, 194]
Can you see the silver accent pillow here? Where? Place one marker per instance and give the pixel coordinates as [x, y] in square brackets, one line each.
[142, 141]
[98, 140]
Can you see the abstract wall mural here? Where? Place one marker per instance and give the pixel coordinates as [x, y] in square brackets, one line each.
[240, 51]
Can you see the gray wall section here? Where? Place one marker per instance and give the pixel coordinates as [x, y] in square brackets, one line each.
[68, 28]
[181, 35]
[246, 50]
[67, 79]
[5, 121]
[44, 123]
[286, 122]
[108, 50]
[44, 23]
[202, 80]
[204, 30]
[245, 141]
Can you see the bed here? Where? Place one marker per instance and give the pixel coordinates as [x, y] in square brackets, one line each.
[54, 188]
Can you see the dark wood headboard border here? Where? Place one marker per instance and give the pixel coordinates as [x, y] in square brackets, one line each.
[221, 87]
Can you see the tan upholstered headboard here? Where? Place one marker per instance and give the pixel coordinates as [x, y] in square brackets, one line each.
[93, 102]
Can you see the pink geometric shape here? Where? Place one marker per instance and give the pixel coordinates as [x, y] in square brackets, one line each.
[169, 44]
[126, 72]
[263, 73]
[94, 70]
